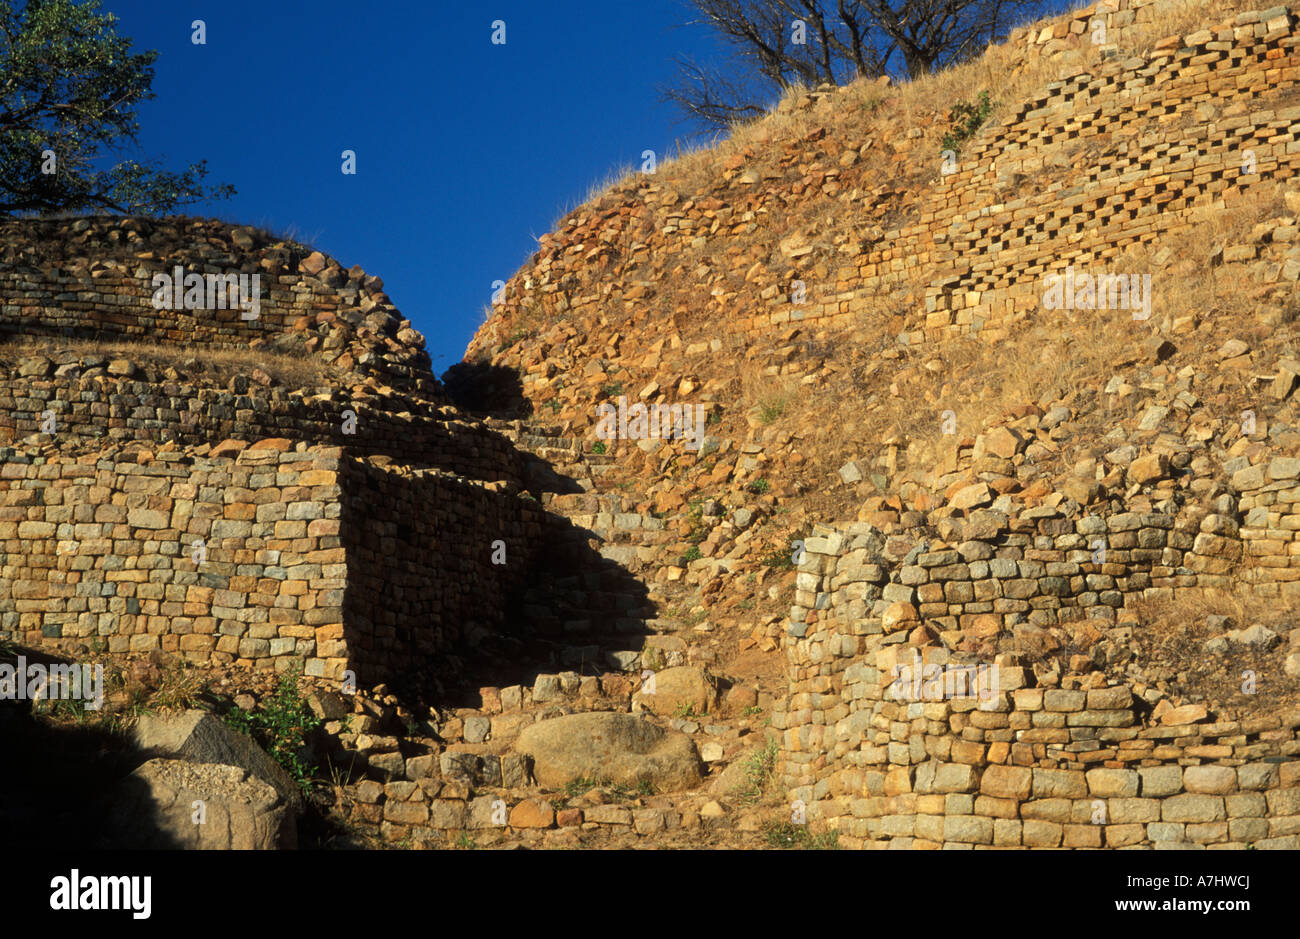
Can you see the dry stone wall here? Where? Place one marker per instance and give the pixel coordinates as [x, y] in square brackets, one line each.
[1052, 563]
[1018, 766]
[1269, 523]
[103, 551]
[1122, 23]
[257, 560]
[98, 409]
[92, 278]
[432, 562]
[150, 506]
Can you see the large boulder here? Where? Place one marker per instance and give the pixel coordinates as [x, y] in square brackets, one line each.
[198, 806]
[200, 737]
[672, 690]
[603, 745]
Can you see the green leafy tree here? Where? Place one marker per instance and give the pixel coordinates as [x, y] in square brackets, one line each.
[69, 87]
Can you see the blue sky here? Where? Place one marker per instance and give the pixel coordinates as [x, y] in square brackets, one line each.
[466, 151]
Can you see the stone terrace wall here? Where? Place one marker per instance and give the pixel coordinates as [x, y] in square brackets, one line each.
[1032, 767]
[102, 548]
[1029, 767]
[1270, 525]
[92, 278]
[340, 555]
[97, 409]
[297, 544]
[1044, 566]
[1125, 22]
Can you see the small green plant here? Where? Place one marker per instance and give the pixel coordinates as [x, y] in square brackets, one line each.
[759, 486]
[576, 787]
[72, 709]
[769, 411]
[618, 791]
[598, 448]
[758, 768]
[685, 711]
[788, 835]
[692, 554]
[779, 559]
[282, 726]
[965, 120]
[752, 710]
[613, 390]
[465, 842]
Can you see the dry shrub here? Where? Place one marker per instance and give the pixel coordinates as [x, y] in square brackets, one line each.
[1189, 606]
[779, 401]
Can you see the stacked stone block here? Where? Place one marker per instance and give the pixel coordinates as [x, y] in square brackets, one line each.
[1270, 521]
[92, 412]
[433, 560]
[1022, 767]
[273, 556]
[223, 561]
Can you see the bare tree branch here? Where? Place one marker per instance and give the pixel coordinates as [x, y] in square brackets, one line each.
[842, 39]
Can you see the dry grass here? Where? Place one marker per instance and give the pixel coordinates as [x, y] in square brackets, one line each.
[1197, 605]
[773, 400]
[205, 362]
[1196, 285]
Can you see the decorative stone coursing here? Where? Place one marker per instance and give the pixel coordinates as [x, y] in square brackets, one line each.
[990, 249]
[968, 254]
